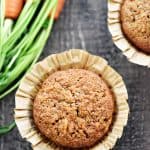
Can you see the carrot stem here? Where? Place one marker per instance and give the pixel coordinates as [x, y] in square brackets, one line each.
[32, 53]
[18, 30]
[41, 18]
[25, 10]
[2, 16]
[9, 90]
[7, 128]
[19, 48]
[2, 10]
[8, 23]
[34, 30]
[21, 25]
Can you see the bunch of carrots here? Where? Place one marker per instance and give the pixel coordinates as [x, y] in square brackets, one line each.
[24, 29]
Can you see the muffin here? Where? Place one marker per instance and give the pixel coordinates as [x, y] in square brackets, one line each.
[129, 24]
[74, 108]
[71, 100]
[135, 21]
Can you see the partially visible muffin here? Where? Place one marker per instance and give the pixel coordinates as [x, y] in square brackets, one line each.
[74, 108]
[135, 20]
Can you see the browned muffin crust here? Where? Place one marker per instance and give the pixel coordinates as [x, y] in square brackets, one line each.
[74, 108]
[135, 20]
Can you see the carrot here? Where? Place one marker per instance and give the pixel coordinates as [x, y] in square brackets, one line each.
[13, 8]
[11, 11]
[59, 8]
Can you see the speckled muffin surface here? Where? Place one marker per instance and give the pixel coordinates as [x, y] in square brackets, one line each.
[74, 108]
[135, 20]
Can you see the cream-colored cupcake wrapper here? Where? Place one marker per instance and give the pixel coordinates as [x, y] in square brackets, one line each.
[69, 59]
[114, 25]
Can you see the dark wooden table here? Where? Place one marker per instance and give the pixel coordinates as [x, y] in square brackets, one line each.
[83, 25]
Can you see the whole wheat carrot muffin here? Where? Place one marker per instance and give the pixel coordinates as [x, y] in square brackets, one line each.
[74, 108]
[135, 21]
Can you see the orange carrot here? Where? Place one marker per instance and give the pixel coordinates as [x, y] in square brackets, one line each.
[13, 8]
[59, 8]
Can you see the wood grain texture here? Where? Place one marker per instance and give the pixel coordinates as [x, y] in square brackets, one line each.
[83, 25]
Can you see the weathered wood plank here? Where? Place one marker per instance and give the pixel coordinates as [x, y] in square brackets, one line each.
[83, 25]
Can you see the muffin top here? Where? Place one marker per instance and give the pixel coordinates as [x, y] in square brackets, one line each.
[135, 18]
[74, 108]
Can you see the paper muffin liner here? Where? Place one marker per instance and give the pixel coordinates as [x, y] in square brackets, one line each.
[74, 58]
[132, 53]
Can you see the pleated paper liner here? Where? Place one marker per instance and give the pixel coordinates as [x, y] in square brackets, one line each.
[114, 25]
[69, 59]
